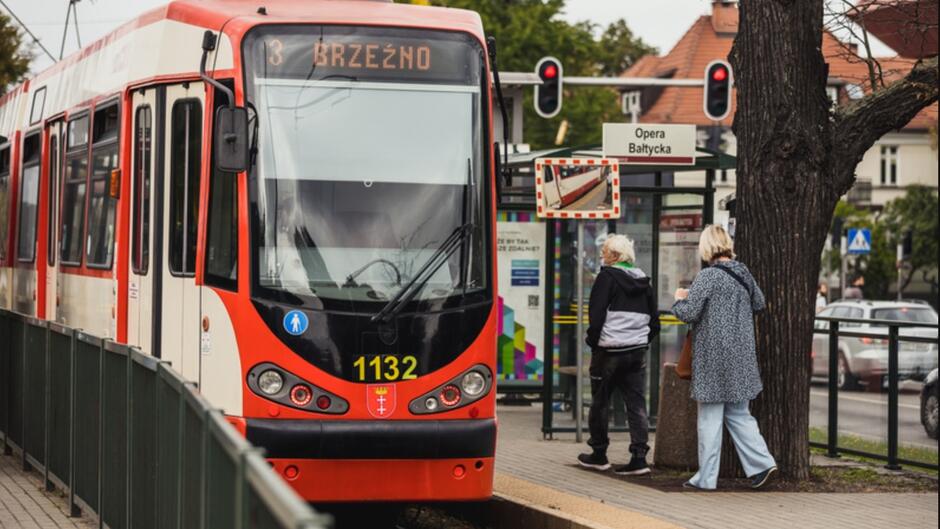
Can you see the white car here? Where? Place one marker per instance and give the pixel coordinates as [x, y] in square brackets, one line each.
[865, 360]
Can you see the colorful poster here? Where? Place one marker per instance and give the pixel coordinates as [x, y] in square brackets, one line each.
[521, 328]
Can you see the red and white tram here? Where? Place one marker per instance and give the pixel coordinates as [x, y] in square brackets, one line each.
[317, 253]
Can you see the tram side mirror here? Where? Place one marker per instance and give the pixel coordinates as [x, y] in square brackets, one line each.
[231, 139]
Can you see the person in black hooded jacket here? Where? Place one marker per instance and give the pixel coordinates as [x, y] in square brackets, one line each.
[623, 321]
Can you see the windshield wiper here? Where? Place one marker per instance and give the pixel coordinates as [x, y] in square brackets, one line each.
[430, 267]
[468, 218]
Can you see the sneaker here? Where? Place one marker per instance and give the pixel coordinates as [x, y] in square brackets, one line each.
[637, 467]
[761, 479]
[690, 486]
[595, 461]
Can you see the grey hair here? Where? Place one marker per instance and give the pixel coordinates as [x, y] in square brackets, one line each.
[621, 248]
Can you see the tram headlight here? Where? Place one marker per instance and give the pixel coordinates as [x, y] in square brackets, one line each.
[270, 382]
[473, 383]
[430, 403]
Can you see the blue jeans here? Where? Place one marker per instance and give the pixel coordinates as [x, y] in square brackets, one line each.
[750, 445]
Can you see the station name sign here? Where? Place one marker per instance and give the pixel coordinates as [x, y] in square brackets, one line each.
[650, 144]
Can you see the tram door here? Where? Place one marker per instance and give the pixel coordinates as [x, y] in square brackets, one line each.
[140, 298]
[54, 163]
[168, 140]
[182, 158]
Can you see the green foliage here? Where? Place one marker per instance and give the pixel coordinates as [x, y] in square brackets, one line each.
[917, 211]
[527, 30]
[14, 61]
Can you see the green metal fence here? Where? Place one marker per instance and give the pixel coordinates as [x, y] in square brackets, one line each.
[128, 439]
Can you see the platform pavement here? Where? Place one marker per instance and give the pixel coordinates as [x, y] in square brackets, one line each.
[522, 454]
[25, 505]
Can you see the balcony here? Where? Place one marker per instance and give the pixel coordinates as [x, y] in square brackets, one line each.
[860, 194]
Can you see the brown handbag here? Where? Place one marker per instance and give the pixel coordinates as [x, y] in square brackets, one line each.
[684, 367]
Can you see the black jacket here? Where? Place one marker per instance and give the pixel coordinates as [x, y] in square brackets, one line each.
[622, 310]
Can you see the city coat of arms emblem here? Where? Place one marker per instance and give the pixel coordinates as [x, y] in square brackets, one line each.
[380, 400]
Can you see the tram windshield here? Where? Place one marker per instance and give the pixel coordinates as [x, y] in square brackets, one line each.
[370, 157]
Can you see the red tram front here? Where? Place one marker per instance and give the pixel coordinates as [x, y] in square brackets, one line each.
[369, 349]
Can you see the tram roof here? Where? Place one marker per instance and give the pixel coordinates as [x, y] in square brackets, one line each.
[235, 17]
[216, 13]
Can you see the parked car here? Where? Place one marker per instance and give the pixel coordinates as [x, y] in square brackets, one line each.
[928, 404]
[864, 361]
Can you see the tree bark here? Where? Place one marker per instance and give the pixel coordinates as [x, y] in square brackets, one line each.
[796, 158]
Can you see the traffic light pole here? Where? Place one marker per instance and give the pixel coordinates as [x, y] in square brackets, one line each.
[531, 79]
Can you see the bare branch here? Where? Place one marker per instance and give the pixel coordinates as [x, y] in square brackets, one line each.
[857, 126]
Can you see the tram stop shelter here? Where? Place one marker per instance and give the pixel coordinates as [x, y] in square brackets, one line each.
[663, 210]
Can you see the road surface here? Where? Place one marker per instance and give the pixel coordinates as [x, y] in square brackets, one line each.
[865, 415]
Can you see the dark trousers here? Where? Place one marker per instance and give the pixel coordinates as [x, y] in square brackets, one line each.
[626, 372]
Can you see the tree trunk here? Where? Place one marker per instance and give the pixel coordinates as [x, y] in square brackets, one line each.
[796, 157]
[785, 204]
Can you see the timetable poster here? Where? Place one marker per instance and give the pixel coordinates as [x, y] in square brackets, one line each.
[521, 303]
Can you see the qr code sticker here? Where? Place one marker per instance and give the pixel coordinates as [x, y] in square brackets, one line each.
[533, 301]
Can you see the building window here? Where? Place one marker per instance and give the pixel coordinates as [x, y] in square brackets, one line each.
[889, 165]
[185, 164]
[143, 138]
[103, 190]
[29, 199]
[73, 192]
[4, 197]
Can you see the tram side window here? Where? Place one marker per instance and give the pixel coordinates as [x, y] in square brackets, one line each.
[143, 145]
[222, 235]
[102, 212]
[29, 200]
[4, 196]
[73, 192]
[53, 189]
[185, 165]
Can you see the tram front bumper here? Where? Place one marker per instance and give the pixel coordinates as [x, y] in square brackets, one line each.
[335, 461]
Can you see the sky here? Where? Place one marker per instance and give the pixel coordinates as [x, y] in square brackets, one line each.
[658, 22]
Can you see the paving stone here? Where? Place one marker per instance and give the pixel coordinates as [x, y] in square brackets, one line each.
[522, 453]
[25, 505]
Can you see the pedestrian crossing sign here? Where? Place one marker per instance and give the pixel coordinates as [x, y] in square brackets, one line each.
[859, 240]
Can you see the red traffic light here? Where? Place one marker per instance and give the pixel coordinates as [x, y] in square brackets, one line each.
[720, 74]
[550, 72]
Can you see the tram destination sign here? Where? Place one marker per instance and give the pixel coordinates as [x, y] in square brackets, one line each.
[650, 144]
[354, 54]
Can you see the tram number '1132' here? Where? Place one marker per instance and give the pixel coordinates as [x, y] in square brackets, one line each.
[387, 368]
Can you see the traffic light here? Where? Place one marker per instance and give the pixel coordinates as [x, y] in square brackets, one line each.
[717, 101]
[548, 94]
[838, 227]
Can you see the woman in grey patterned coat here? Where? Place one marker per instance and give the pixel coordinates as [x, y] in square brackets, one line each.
[720, 306]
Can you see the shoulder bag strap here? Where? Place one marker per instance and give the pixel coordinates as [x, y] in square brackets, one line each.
[736, 278]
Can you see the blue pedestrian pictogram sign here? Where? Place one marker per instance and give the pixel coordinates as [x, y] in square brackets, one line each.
[296, 322]
[859, 240]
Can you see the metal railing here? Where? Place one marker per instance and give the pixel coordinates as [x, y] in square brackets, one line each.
[893, 337]
[128, 439]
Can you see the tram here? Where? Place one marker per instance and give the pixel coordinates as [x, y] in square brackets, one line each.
[293, 203]
[566, 184]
